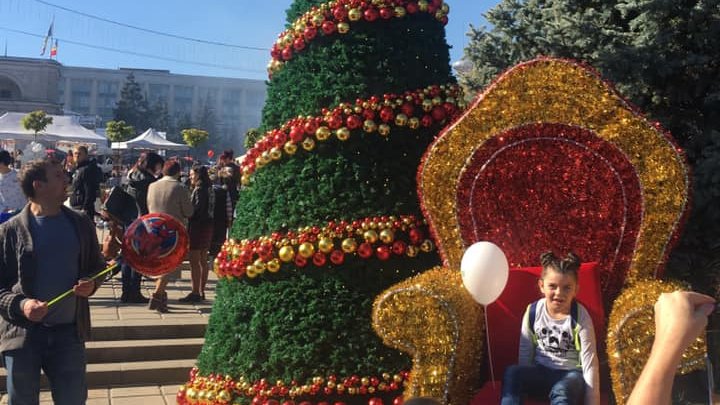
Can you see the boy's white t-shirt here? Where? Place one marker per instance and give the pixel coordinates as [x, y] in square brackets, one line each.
[556, 348]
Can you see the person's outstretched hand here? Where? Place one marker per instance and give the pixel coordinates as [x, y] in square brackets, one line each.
[680, 317]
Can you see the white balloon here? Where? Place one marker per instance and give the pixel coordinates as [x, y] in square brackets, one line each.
[484, 269]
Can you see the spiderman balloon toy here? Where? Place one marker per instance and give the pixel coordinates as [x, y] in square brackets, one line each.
[155, 244]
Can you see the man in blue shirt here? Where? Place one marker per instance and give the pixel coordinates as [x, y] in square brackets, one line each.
[44, 250]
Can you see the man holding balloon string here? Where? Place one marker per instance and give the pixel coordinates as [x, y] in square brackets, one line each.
[46, 249]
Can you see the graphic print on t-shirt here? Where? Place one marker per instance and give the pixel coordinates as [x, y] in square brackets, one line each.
[554, 339]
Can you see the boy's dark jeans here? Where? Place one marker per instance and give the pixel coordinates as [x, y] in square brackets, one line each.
[561, 387]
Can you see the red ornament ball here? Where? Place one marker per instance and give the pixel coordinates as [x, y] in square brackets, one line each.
[155, 244]
[365, 250]
[398, 400]
[328, 27]
[375, 401]
[382, 252]
[337, 257]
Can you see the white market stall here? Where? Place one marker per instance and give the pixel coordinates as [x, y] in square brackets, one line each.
[63, 128]
[150, 140]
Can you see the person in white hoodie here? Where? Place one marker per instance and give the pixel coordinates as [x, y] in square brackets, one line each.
[11, 195]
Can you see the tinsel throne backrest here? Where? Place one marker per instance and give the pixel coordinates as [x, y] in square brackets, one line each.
[551, 157]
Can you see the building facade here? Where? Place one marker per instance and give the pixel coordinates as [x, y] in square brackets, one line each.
[28, 84]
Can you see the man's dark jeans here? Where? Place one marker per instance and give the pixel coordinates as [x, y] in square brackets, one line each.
[59, 352]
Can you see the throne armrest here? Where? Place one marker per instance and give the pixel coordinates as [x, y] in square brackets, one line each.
[435, 320]
[631, 331]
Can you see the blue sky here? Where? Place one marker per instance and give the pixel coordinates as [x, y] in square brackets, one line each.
[238, 22]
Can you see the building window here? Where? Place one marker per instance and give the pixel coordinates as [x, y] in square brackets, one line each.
[158, 94]
[80, 90]
[107, 95]
[182, 101]
[231, 105]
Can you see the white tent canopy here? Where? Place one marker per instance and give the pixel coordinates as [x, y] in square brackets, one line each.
[63, 128]
[149, 139]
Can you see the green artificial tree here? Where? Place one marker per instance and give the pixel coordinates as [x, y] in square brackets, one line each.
[663, 56]
[36, 121]
[132, 107]
[328, 216]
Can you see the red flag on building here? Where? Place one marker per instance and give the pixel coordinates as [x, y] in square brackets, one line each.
[53, 50]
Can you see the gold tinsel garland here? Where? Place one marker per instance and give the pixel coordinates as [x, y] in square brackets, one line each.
[432, 314]
[631, 332]
[558, 91]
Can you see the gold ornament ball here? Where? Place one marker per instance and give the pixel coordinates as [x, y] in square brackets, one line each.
[326, 245]
[352, 390]
[286, 253]
[331, 385]
[201, 397]
[400, 12]
[342, 133]
[209, 396]
[423, 5]
[437, 100]
[354, 14]
[413, 123]
[427, 246]
[290, 147]
[439, 15]
[250, 271]
[245, 179]
[401, 120]
[343, 27]
[365, 381]
[369, 126]
[445, 8]
[224, 396]
[349, 245]
[259, 162]
[191, 395]
[265, 156]
[387, 236]
[322, 133]
[371, 390]
[259, 266]
[308, 144]
[427, 105]
[275, 153]
[273, 266]
[318, 19]
[370, 236]
[306, 249]
[384, 129]
[358, 109]
[397, 378]
[412, 251]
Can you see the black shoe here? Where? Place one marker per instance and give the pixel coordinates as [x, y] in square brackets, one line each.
[191, 298]
[137, 298]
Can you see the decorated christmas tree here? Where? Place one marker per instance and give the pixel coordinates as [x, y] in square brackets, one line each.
[328, 215]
